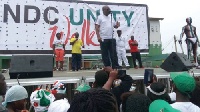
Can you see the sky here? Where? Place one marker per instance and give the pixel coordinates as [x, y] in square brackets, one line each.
[174, 13]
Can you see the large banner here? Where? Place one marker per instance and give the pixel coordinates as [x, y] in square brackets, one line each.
[29, 26]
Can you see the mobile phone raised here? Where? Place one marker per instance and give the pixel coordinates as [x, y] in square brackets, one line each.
[148, 76]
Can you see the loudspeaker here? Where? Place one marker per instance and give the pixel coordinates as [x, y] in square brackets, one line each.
[31, 66]
[176, 62]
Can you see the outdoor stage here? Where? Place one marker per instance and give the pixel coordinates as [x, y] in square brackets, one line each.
[75, 77]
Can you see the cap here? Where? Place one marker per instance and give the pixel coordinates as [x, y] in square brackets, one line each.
[83, 87]
[15, 93]
[161, 106]
[183, 81]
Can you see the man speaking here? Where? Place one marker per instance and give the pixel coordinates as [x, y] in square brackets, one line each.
[104, 31]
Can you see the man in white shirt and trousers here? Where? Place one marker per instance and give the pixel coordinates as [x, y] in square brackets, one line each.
[121, 49]
[104, 30]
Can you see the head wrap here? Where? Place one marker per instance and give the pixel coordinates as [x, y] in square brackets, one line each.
[41, 99]
[58, 87]
[59, 105]
[15, 93]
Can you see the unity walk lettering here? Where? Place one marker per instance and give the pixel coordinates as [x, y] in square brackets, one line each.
[16, 16]
[33, 24]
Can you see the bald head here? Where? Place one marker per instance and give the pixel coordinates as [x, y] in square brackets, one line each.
[189, 20]
[76, 35]
[106, 10]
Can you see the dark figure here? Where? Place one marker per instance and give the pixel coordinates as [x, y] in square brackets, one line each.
[191, 39]
[94, 100]
[195, 99]
[137, 103]
[76, 52]
[2, 91]
[135, 52]
[158, 91]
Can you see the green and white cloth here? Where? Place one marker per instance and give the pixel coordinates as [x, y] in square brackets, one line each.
[41, 99]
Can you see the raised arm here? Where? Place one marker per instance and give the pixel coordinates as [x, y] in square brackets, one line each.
[72, 41]
[112, 76]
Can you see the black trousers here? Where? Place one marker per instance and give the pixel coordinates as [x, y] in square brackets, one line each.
[136, 55]
[109, 53]
[76, 61]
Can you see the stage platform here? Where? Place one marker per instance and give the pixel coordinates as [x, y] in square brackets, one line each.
[76, 76]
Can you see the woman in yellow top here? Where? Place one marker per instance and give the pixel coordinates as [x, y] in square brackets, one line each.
[77, 44]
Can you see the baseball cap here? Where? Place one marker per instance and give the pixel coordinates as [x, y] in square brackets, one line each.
[161, 106]
[83, 87]
[183, 81]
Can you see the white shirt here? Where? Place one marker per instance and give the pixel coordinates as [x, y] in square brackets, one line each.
[106, 28]
[185, 107]
[172, 96]
[121, 42]
[58, 44]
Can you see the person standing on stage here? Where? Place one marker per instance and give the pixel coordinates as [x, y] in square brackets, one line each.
[59, 51]
[191, 39]
[135, 52]
[104, 31]
[121, 49]
[76, 52]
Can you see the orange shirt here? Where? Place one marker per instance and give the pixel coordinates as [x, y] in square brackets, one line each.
[132, 47]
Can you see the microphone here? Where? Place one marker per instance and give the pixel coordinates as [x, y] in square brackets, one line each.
[18, 79]
[109, 11]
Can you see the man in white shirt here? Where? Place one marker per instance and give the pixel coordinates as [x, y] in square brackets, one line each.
[183, 85]
[104, 31]
[121, 49]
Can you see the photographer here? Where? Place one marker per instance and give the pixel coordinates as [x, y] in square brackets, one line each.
[76, 52]
[108, 77]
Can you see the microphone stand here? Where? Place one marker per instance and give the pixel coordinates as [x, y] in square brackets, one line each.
[112, 48]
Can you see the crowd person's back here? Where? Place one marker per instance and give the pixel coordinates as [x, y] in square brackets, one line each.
[94, 100]
[183, 85]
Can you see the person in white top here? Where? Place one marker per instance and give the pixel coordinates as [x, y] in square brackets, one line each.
[104, 30]
[59, 51]
[121, 49]
[183, 85]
